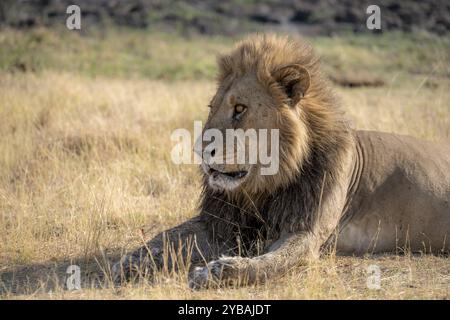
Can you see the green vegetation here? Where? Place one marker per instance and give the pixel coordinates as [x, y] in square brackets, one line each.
[138, 53]
[118, 53]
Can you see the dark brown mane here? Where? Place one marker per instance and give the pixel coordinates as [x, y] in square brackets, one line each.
[292, 204]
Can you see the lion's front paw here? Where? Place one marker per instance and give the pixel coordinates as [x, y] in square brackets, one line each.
[225, 271]
[199, 278]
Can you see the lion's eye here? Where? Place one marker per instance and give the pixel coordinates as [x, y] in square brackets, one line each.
[239, 109]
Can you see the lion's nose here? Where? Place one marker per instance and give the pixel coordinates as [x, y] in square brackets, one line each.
[208, 155]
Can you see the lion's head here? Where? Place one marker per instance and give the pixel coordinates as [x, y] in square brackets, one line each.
[266, 82]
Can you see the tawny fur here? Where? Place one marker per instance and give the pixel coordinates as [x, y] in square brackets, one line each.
[367, 191]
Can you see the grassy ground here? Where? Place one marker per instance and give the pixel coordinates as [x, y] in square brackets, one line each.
[85, 123]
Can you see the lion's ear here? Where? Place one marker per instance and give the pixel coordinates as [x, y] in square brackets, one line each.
[295, 81]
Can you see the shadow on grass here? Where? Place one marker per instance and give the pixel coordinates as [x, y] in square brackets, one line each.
[57, 275]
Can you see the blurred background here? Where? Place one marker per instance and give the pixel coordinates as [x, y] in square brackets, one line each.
[232, 17]
[174, 39]
[86, 117]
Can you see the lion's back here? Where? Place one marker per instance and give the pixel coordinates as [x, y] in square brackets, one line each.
[423, 162]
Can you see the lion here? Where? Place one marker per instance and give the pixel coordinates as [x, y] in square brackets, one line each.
[359, 191]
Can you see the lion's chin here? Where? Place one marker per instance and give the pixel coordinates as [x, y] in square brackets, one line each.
[226, 181]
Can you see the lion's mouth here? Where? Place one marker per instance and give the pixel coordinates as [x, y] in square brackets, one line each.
[235, 175]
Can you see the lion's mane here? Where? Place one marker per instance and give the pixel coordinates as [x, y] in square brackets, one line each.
[308, 168]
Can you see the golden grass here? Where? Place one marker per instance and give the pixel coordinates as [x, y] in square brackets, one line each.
[85, 165]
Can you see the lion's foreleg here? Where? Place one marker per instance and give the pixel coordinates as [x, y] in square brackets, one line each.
[290, 250]
[175, 248]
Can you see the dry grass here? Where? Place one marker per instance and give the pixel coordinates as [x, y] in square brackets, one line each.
[85, 165]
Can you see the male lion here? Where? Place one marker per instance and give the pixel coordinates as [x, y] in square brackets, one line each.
[363, 191]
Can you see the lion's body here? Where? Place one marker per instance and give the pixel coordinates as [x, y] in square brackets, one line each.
[401, 199]
[373, 191]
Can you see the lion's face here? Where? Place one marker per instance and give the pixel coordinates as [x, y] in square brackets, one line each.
[251, 155]
[244, 105]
